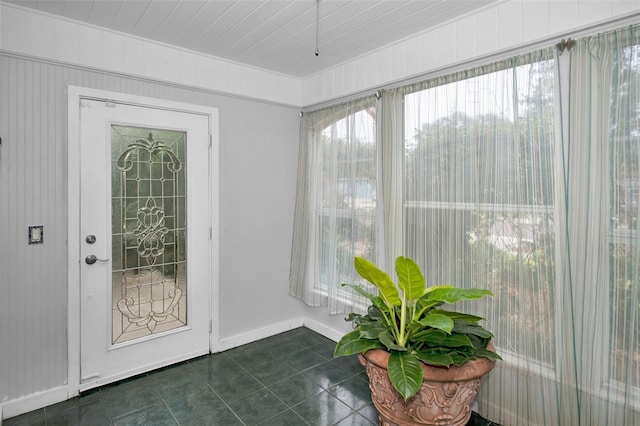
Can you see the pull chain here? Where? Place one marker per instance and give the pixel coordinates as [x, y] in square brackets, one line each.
[317, 25]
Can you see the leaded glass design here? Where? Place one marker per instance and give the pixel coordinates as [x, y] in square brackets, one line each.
[149, 284]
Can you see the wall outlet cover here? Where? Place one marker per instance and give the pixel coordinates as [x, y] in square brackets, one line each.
[36, 234]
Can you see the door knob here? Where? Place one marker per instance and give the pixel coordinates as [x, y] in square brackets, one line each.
[91, 259]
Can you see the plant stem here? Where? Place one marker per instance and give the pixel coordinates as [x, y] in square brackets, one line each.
[403, 318]
[391, 321]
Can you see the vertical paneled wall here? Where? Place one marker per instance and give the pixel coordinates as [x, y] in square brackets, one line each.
[33, 191]
[33, 294]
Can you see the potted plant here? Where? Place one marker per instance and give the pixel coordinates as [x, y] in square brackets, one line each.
[424, 363]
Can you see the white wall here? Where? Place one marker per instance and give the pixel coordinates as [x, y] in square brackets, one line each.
[499, 28]
[256, 216]
[256, 198]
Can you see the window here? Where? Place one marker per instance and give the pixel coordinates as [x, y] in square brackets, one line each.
[523, 177]
[347, 198]
[479, 199]
[624, 247]
[341, 209]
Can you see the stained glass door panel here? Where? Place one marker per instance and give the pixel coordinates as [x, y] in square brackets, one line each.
[149, 286]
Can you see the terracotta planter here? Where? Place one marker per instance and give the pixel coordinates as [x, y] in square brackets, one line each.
[444, 399]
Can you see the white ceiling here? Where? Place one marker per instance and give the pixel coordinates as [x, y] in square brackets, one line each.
[278, 35]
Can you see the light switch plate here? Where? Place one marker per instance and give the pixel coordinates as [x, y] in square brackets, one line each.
[36, 234]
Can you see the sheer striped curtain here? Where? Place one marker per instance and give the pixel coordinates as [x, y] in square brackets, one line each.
[336, 210]
[479, 211]
[599, 260]
[522, 177]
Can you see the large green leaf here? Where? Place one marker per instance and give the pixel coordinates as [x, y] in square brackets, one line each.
[458, 315]
[460, 358]
[426, 302]
[405, 373]
[374, 313]
[423, 304]
[414, 327]
[435, 358]
[430, 336]
[455, 340]
[435, 338]
[438, 321]
[410, 279]
[387, 339]
[485, 353]
[448, 294]
[372, 329]
[351, 343]
[471, 328]
[378, 278]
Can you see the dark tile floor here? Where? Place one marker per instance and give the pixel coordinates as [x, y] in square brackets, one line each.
[288, 379]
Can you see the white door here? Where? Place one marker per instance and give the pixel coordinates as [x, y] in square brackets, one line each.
[144, 239]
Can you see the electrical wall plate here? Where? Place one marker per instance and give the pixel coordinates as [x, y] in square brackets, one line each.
[36, 234]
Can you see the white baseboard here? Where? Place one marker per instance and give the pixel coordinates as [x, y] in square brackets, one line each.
[328, 332]
[24, 404]
[260, 333]
[39, 400]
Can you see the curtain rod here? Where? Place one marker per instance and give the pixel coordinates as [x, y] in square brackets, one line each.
[476, 61]
[377, 94]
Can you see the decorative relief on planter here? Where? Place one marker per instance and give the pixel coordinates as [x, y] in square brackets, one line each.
[443, 403]
[438, 403]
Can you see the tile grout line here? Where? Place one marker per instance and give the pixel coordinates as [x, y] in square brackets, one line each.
[269, 390]
[291, 407]
[193, 370]
[277, 349]
[102, 400]
[254, 378]
[169, 408]
[225, 403]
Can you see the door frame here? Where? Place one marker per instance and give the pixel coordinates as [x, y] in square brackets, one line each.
[75, 94]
